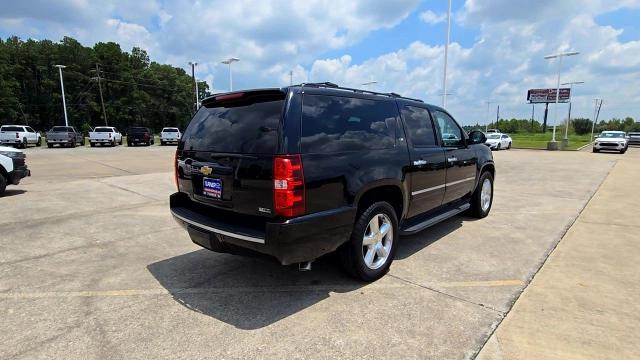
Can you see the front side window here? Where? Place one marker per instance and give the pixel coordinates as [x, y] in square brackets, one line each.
[336, 124]
[419, 126]
[449, 130]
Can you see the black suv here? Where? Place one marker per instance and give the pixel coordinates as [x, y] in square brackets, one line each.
[302, 171]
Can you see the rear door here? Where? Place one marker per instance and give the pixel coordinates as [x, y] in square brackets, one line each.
[32, 135]
[427, 170]
[227, 151]
[461, 159]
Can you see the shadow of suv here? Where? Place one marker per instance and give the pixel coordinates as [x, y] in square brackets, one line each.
[302, 171]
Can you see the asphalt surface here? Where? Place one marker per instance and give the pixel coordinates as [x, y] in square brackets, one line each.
[93, 266]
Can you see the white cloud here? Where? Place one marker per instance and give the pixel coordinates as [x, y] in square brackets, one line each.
[432, 18]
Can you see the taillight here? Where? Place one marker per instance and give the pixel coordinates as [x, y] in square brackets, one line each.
[146, 135]
[109, 135]
[17, 135]
[175, 169]
[288, 185]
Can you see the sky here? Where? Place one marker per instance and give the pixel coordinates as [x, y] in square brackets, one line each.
[496, 51]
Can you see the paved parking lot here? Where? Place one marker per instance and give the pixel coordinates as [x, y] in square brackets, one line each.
[93, 266]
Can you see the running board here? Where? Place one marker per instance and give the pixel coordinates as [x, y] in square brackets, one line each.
[435, 219]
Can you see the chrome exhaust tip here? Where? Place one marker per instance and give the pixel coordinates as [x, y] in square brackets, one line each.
[304, 266]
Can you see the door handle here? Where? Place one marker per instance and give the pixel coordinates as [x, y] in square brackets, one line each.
[420, 162]
[452, 159]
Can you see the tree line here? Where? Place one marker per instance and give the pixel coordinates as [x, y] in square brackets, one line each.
[136, 90]
[579, 126]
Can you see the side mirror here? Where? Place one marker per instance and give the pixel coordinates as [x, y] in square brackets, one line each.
[477, 137]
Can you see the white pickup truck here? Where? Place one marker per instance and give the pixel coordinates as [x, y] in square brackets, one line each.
[105, 135]
[19, 136]
[170, 135]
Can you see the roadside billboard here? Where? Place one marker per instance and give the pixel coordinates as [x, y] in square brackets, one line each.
[536, 96]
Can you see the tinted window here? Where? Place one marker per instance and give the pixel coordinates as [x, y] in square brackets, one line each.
[62, 129]
[169, 130]
[138, 130]
[419, 126]
[333, 124]
[12, 128]
[102, 130]
[29, 129]
[504, 136]
[449, 130]
[248, 125]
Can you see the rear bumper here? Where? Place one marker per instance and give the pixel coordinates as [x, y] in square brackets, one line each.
[11, 142]
[290, 241]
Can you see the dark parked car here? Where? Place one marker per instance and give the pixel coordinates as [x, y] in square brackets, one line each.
[305, 170]
[633, 138]
[139, 135]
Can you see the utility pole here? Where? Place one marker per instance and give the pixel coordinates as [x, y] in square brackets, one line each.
[193, 76]
[104, 112]
[486, 126]
[498, 117]
[565, 141]
[596, 114]
[64, 103]
[290, 77]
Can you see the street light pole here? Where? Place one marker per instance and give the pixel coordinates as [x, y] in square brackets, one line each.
[64, 103]
[446, 54]
[290, 77]
[596, 112]
[565, 141]
[195, 82]
[230, 61]
[486, 127]
[553, 144]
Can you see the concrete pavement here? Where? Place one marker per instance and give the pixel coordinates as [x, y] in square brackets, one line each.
[583, 304]
[93, 266]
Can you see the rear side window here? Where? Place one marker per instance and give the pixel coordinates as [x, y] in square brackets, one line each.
[12, 128]
[335, 124]
[419, 126]
[248, 125]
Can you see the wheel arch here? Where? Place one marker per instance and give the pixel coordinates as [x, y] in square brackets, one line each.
[390, 191]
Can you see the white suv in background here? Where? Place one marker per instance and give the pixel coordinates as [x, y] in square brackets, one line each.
[19, 136]
[170, 135]
[612, 141]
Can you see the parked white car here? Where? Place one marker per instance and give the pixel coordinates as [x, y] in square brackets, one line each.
[611, 141]
[19, 136]
[12, 167]
[498, 141]
[105, 135]
[170, 135]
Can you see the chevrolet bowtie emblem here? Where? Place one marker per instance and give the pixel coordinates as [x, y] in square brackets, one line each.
[205, 170]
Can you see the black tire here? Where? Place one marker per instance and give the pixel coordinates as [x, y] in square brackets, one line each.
[595, 150]
[113, 143]
[93, 144]
[24, 144]
[499, 146]
[162, 143]
[3, 184]
[72, 144]
[49, 146]
[509, 147]
[476, 209]
[623, 151]
[39, 143]
[351, 253]
[83, 143]
[120, 142]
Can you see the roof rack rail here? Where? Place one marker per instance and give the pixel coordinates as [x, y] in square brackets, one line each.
[335, 86]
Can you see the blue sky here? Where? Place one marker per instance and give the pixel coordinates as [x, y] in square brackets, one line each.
[496, 53]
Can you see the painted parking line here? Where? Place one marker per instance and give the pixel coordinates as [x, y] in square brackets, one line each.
[147, 292]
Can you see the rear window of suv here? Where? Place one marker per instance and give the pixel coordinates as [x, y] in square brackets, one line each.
[62, 129]
[102, 129]
[337, 124]
[169, 130]
[246, 125]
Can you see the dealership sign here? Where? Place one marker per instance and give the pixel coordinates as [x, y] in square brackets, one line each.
[548, 95]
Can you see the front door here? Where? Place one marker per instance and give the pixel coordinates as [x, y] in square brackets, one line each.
[460, 157]
[427, 168]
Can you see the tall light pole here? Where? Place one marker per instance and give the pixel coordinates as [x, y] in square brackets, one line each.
[596, 113]
[368, 84]
[64, 103]
[230, 61]
[486, 127]
[193, 76]
[446, 54]
[565, 141]
[290, 77]
[553, 144]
